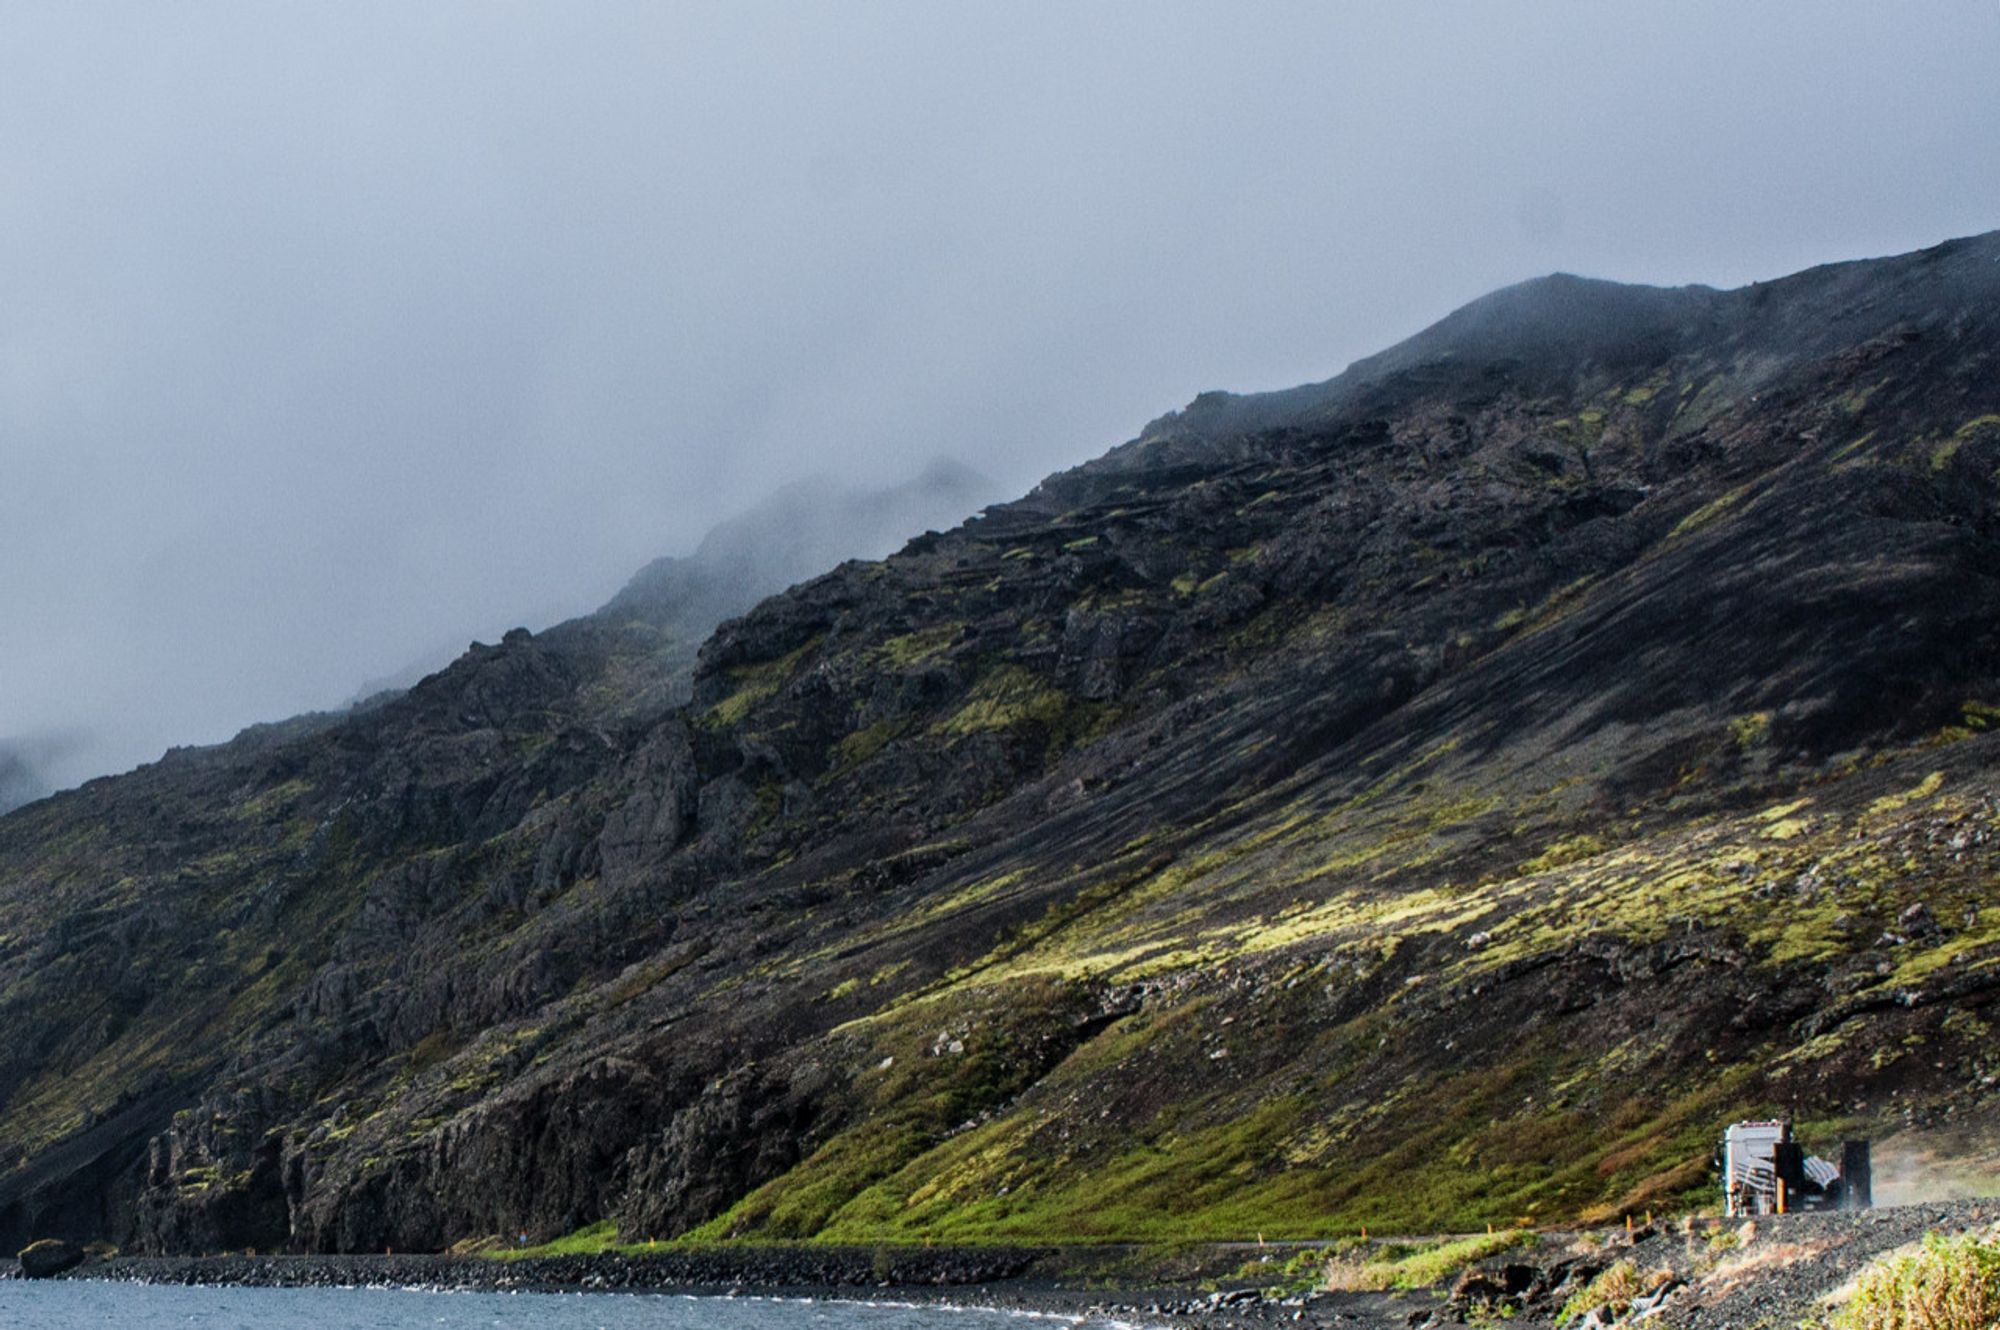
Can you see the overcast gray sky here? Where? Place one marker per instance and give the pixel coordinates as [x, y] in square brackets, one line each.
[331, 333]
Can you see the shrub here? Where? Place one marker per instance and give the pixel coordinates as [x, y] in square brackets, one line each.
[1617, 1285]
[1947, 1284]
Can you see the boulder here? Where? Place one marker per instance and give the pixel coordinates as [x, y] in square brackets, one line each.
[50, 1256]
[1476, 1288]
[1652, 1304]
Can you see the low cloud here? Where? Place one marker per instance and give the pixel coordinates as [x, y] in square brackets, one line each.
[331, 333]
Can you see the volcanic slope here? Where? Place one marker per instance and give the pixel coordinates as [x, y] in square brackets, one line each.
[1441, 795]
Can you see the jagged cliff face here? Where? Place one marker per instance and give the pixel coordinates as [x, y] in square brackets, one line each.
[1437, 795]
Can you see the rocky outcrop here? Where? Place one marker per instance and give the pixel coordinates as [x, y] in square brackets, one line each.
[739, 1133]
[49, 1257]
[661, 810]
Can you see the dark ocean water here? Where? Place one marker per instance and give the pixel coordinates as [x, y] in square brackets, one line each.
[73, 1305]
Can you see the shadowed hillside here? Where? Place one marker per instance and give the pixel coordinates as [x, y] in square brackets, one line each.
[1436, 796]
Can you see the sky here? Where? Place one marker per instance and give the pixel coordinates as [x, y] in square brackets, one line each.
[335, 333]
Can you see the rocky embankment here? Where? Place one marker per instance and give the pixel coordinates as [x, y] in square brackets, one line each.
[822, 1271]
[1780, 1271]
[1695, 1274]
[1017, 1279]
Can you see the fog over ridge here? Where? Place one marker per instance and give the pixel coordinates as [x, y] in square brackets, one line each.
[331, 332]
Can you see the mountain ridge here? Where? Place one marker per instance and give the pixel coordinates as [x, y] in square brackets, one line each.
[1542, 746]
[1578, 323]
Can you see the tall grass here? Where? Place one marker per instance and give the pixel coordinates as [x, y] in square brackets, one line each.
[1400, 1266]
[1947, 1284]
[1615, 1287]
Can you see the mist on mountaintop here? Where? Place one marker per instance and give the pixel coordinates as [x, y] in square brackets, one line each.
[334, 336]
[796, 532]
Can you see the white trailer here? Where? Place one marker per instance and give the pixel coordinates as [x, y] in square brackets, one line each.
[1765, 1172]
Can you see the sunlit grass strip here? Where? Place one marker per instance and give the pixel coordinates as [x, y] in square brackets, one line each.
[1401, 1267]
[1949, 1283]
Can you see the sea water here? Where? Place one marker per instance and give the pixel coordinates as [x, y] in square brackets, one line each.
[77, 1304]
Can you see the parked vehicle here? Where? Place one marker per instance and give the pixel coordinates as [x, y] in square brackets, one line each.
[1766, 1172]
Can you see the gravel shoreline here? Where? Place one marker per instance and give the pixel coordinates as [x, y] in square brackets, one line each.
[994, 1279]
[1774, 1272]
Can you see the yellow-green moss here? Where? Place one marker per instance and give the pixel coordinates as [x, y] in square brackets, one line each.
[755, 682]
[863, 744]
[273, 800]
[1004, 697]
[1568, 850]
[915, 648]
[1750, 730]
[1707, 514]
[1924, 789]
